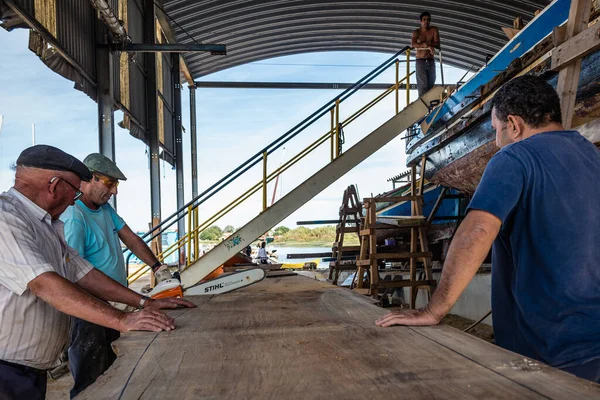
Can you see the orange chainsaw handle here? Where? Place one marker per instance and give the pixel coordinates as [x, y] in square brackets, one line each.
[174, 292]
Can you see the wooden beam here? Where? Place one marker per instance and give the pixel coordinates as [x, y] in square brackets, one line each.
[568, 78]
[510, 32]
[577, 47]
[558, 35]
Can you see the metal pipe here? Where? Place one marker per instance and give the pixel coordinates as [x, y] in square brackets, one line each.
[407, 77]
[152, 117]
[441, 66]
[196, 234]
[215, 49]
[193, 142]
[290, 85]
[331, 131]
[179, 179]
[110, 19]
[264, 182]
[189, 235]
[396, 86]
[337, 128]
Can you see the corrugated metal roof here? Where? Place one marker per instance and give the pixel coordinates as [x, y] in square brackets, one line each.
[256, 30]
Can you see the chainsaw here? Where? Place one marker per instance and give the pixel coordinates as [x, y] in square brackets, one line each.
[222, 284]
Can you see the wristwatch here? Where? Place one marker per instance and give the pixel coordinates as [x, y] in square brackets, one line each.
[156, 266]
[143, 301]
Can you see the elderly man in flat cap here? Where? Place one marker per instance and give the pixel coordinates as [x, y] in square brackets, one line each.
[42, 279]
[95, 230]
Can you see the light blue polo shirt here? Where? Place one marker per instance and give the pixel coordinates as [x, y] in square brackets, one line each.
[95, 236]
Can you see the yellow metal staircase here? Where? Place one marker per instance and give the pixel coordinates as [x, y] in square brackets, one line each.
[199, 267]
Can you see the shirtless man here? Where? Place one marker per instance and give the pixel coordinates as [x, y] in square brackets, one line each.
[424, 40]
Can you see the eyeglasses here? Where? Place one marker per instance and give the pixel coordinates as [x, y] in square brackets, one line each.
[78, 193]
[109, 183]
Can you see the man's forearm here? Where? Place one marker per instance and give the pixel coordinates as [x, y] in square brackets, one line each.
[137, 246]
[467, 252]
[69, 299]
[105, 288]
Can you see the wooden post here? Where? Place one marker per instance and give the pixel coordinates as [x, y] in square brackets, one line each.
[568, 78]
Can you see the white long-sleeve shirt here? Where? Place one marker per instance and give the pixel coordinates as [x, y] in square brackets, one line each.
[32, 332]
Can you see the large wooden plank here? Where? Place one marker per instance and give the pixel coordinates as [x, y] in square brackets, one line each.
[296, 337]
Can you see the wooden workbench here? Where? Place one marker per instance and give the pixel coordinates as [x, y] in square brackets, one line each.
[293, 337]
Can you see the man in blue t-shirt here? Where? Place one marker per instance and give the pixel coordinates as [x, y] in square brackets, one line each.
[537, 202]
[95, 230]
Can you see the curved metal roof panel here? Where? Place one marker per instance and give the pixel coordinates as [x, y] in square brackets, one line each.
[257, 30]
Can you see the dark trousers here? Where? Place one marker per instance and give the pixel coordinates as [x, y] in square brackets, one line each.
[18, 382]
[90, 353]
[425, 71]
[590, 370]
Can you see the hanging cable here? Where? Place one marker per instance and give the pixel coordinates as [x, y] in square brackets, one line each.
[175, 22]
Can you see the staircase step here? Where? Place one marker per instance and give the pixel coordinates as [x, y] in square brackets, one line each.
[347, 229]
[350, 210]
[395, 222]
[345, 248]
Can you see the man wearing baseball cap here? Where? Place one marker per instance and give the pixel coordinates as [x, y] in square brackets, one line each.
[42, 279]
[94, 229]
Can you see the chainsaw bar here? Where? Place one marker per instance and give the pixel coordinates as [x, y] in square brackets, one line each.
[227, 282]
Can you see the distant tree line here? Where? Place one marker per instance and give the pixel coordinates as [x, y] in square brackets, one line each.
[283, 234]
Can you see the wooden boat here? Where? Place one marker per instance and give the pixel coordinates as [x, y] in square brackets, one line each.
[294, 266]
[460, 140]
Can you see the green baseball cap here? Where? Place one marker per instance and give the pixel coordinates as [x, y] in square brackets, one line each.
[96, 162]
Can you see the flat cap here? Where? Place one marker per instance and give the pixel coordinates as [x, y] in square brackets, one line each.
[48, 157]
[101, 164]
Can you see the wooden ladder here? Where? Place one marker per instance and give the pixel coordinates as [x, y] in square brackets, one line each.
[350, 215]
[417, 223]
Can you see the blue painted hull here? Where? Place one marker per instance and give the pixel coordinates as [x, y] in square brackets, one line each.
[449, 207]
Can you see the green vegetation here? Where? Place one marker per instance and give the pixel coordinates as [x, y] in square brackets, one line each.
[212, 233]
[281, 230]
[320, 235]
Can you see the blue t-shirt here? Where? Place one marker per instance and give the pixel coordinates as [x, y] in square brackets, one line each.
[94, 234]
[546, 260]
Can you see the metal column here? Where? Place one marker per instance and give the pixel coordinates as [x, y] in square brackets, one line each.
[152, 114]
[178, 149]
[106, 127]
[193, 142]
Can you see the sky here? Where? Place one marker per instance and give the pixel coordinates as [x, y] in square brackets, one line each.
[232, 125]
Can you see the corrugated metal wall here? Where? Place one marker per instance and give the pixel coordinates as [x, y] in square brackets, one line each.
[72, 24]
